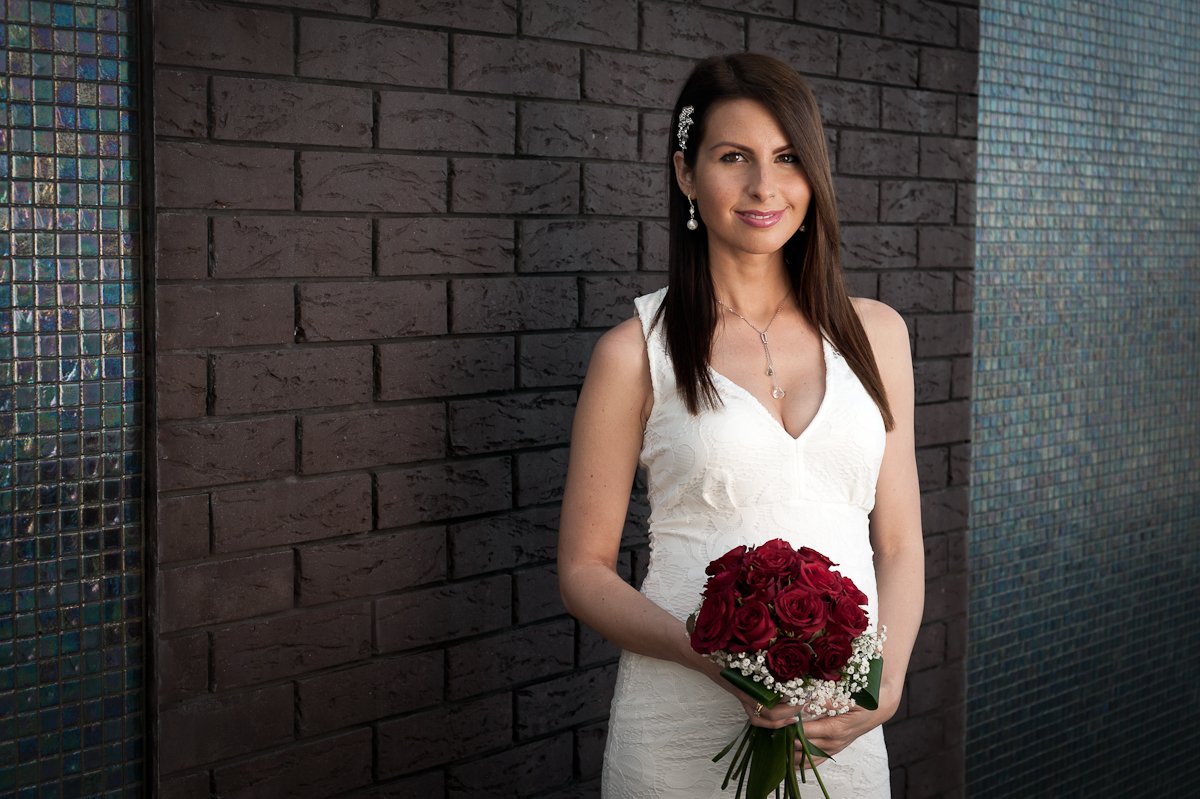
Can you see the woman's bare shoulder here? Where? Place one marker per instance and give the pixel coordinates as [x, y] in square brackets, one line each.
[883, 325]
[622, 347]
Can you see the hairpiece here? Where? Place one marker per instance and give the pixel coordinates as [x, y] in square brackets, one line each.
[685, 124]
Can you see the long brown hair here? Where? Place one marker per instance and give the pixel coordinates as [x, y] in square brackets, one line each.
[812, 258]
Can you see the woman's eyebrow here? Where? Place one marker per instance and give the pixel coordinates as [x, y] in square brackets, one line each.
[744, 147]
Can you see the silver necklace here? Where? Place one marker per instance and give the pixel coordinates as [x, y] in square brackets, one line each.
[776, 390]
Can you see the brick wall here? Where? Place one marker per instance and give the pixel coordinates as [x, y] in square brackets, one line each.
[387, 234]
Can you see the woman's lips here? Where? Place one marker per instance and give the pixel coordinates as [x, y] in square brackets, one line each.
[760, 218]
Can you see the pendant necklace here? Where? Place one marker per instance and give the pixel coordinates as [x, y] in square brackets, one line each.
[776, 390]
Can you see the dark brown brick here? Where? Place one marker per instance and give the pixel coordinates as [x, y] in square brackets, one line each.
[941, 774]
[181, 241]
[431, 493]
[857, 198]
[869, 153]
[274, 246]
[372, 182]
[445, 367]
[511, 422]
[932, 379]
[318, 768]
[572, 245]
[914, 290]
[949, 159]
[918, 111]
[929, 651]
[857, 15]
[507, 304]
[434, 615]
[466, 729]
[514, 186]
[223, 726]
[878, 60]
[182, 529]
[960, 464]
[368, 691]
[949, 70]
[513, 66]
[691, 32]
[255, 109]
[916, 201]
[428, 246]
[182, 667]
[249, 382]
[540, 476]
[808, 50]
[945, 510]
[862, 284]
[180, 103]
[614, 23]
[431, 783]
[192, 455]
[916, 737]
[609, 300]
[432, 122]
[344, 50]
[554, 359]
[375, 309]
[633, 79]
[222, 37]
[935, 555]
[849, 104]
[589, 749]
[948, 334]
[372, 565]
[578, 131]
[494, 16]
[654, 247]
[522, 771]
[943, 423]
[181, 382]
[222, 590]
[624, 190]
[947, 246]
[537, 594]
[964, 203]
[594, 649]
[565, 702]
[511, 658]
[185, 786]
[879, 246]
[291, 511]
[222, 176]
[960, 377]
[920, 20]
[192, 316]
[968, 116]
[657, 132]
[357, 8]
[282, 646]
[501, 542]
[335, 441]
[964, 290]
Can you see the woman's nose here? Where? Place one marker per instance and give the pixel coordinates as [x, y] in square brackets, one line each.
[762, 184]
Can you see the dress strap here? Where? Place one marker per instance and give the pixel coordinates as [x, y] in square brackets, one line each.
[661, 374]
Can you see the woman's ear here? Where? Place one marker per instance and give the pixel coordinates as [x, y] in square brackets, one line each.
[683, 175]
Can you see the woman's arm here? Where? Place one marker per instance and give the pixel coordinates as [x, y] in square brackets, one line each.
[605, 441]
[895, 531]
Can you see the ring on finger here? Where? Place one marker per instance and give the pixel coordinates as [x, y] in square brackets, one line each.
[758, 709]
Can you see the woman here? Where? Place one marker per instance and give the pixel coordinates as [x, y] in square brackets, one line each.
[764, 403]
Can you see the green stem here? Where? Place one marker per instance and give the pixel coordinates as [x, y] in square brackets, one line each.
[808, 753]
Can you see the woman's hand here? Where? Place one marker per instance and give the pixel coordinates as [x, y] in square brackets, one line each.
[834, 733]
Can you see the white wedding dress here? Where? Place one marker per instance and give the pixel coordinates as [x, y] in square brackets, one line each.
[722, 478]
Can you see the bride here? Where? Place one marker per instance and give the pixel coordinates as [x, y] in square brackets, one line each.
[764, 402]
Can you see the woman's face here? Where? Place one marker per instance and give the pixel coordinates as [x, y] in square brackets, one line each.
[746, 182]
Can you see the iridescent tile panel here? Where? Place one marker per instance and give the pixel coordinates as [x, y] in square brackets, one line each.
[71, 550]
[1084, 640]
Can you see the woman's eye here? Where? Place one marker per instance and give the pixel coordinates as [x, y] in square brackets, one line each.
[733, 157]
[789, 158]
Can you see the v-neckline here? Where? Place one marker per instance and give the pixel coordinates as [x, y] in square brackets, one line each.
[826, 355]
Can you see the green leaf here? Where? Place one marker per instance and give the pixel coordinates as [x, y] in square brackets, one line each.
[868, 698]
[769, 764]
[755, 689]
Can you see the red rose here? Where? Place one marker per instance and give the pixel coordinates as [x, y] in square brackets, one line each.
[800, 610]
[818, 577]
[753, 628]
[714, 624]
[722, 583]
[808, 553]
[848, 616]
[775, 558]
[851, 590]
[830, 655]
[730, 561]
[789, 659]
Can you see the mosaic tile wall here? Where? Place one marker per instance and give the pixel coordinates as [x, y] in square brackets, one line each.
[71, 643]
[1084, 612]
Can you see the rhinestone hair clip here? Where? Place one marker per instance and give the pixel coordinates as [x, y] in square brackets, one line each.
[685, 124]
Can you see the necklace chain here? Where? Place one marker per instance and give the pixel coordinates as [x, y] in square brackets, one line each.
[776, 390]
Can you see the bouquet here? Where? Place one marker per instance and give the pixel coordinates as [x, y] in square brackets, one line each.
[783, 624]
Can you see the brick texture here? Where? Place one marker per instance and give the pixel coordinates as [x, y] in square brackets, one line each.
[386, 238]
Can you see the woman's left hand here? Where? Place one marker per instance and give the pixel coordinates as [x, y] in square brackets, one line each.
[834, 733]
